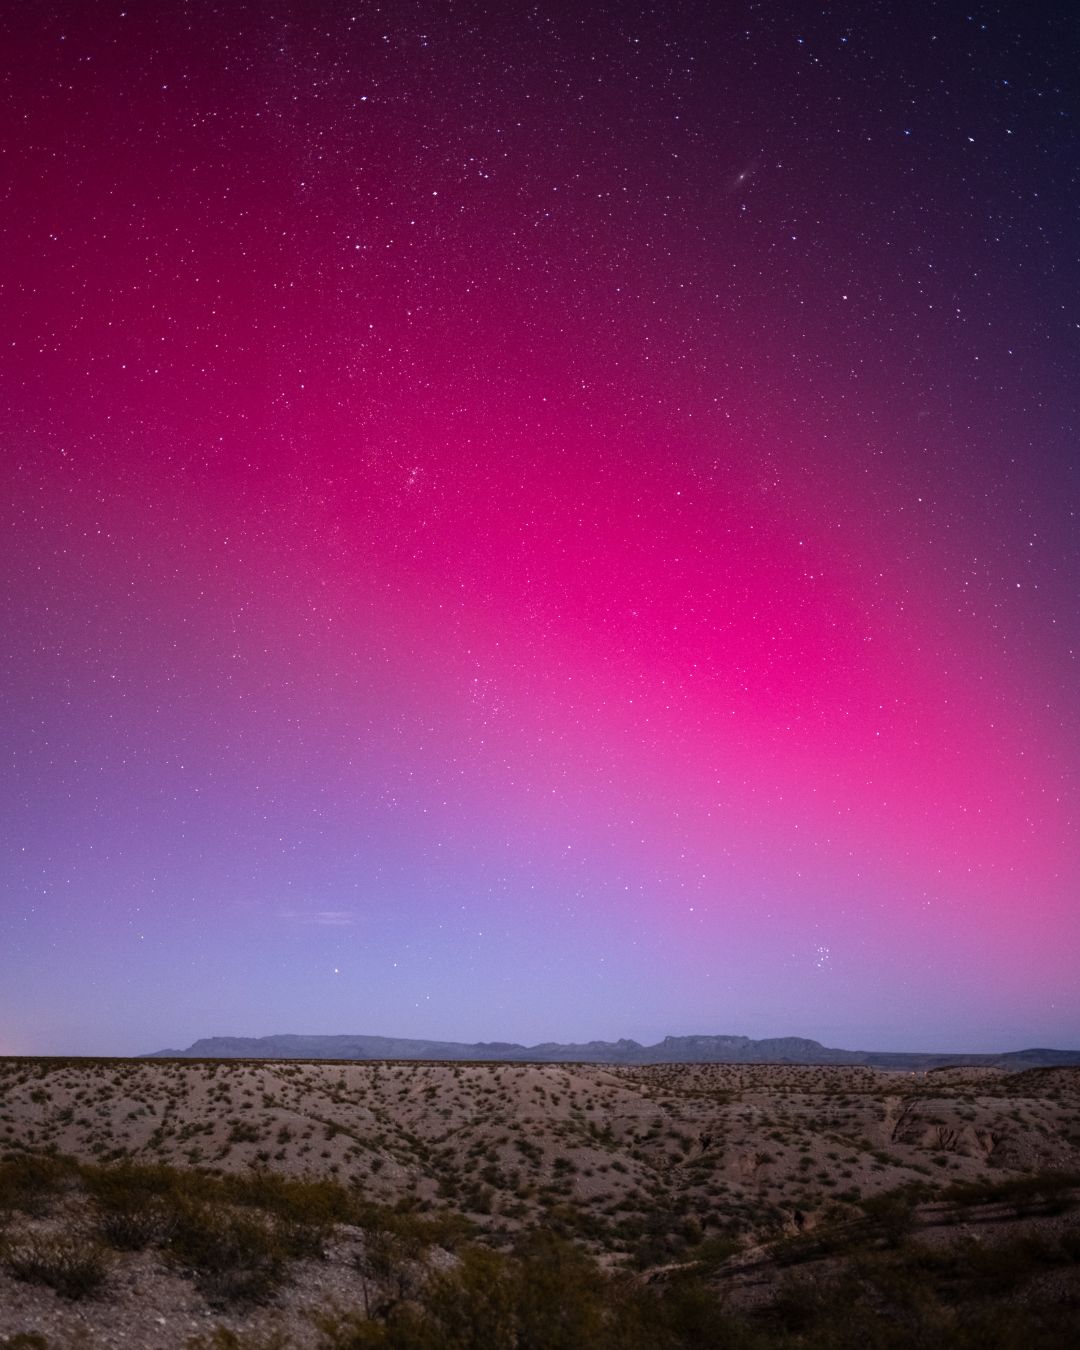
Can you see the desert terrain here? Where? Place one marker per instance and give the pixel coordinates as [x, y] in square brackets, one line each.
[158, 1203]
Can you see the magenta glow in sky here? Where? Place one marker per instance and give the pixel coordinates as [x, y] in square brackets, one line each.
[532, 524]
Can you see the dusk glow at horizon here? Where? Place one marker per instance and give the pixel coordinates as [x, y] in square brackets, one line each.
[540, 523]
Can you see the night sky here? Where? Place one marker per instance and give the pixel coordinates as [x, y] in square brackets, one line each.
[539, 522]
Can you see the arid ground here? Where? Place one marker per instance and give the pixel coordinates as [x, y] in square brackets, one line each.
[160, 1203]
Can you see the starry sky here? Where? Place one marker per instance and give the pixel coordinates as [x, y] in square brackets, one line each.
[539, 521]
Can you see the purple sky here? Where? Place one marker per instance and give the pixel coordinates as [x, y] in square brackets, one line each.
[539, 523]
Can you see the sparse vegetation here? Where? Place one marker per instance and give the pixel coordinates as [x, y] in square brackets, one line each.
[667, 1205]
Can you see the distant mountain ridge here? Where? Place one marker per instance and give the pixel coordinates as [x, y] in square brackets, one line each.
[671, 1050]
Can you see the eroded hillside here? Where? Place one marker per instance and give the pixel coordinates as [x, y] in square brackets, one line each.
[650, 1169]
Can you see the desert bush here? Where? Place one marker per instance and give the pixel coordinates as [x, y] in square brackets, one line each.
[234, 1256]
[547, 1295]
[389, 1272]
[133, 1227]
[1042, 1192]
[344, 1330]
[224, 1338]
[118, 1187]
[486, 1303]
[30, 1183]
[961, 1297]
[135, 1206]
[971, 1270]
[684, 1315]
[74, 1267]
[891, 1214]
[416, 1232]
[146, 1200]
[305, 1210]
[714, 1251]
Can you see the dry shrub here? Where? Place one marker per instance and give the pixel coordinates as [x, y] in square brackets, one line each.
[74, 1267]
[224, 1338]
[136, 1226]
[235, 1257]
[30, 1183]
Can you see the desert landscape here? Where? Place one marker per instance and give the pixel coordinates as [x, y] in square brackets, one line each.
[155, 1203]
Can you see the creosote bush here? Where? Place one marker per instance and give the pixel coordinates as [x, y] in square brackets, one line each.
[1041, 1192]
[236, 1257]
[74, 1267]
[31, 1183]
[132, 1227]
[547, 1295]
[224, 1338]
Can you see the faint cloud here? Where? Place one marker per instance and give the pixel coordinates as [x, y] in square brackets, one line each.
[321, 918]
